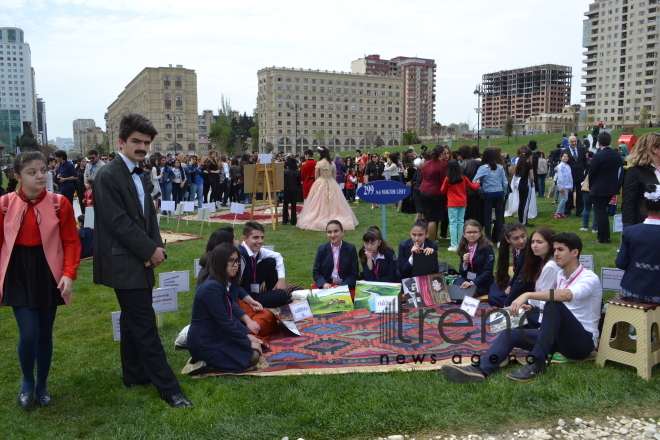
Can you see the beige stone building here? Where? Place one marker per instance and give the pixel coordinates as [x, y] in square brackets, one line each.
[91, 138]
[168, 97]
[300, 109]
[620, 70]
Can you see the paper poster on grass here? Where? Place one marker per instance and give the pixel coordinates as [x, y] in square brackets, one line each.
[587, 261]
[375, 296]
[164, 300]
[197, 269]
[426, 291]
[611, 278]
[211, 206]
[116, 333]
[618, 223]
[179, 280]
[337, 299]
[89, 217]
[167, 205]
[188, 206]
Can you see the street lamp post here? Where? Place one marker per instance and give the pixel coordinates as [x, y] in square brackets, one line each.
[478, 92]
[295, 131]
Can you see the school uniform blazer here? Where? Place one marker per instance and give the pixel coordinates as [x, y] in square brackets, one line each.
[324, 264]
[125, 235]
[482, 265]
[605, 173]
[638, 257]
[405, 250]
[517, 267]
[633, 207]
[387, 269]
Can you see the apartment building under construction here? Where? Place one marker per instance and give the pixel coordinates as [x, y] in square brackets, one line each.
[522, 93]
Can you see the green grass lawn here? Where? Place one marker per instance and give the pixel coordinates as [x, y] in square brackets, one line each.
[90, 402]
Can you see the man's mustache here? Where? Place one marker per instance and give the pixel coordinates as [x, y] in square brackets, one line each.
[140, 152]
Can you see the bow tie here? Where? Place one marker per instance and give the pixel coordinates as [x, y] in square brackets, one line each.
[136, 170]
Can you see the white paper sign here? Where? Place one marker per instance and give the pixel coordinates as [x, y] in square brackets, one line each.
[236, 208]
[179, 209]
[115, 326]
[587, 261]
[618, 223]
[265, 158]
[180, 280]
[210, 206]
[167, 205]
[470, 305]
[386, 304]
[89, 217]
[270, 248]
[197, 269]
[611, 278]
[203, 214]
[342, 185]
[292, 327]
[300, 310]
[164, 300]
[188, 206]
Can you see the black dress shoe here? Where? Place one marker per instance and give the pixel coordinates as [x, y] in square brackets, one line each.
[529, 225]
[43, 400]
[603, 241]
[178, 401]
[26, 399]
[578, 214]
[528, 372]
[285, 223]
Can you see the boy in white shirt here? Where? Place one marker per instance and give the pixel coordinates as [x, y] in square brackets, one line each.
[570, 321]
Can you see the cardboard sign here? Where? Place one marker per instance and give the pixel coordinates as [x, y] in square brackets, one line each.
[470, 305]
[300, 310]
[237, 208]
[587, 261]
[116, 333]
[167, 205]
[164, 300]
[197, 269]
[188, 206]
[210, 206]
[89, 217]
[618, 223]
[180, 280]
[611, 278]
[203, 214]
[251, 185]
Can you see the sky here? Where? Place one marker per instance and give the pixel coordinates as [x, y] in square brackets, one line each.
[85, 52]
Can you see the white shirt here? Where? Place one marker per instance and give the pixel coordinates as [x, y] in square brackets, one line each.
[267, 253]
[547, 280]
[136, 179]
[587, 298]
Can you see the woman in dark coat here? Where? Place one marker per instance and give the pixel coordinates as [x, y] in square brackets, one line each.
[645, 161]
[291, 190]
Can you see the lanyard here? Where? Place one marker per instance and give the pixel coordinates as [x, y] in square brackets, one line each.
[570, 281]
[377, 267]
[231, 311]
[472, 250]
[516, 254]
[653, 218]
[337, 262]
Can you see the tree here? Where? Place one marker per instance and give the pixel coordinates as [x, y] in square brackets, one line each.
[254, 132]
[436, 129]
[644, 116]
[369, 138]
[221, 135]
[410, 138]
[320, 136]
[508, 128]
[27, 142]
[104, 147]
[379, 141]
[47, 149]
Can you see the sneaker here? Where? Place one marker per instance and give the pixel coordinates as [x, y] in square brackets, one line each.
[452, 248]
[467, 374]
[594, 231]
[558, 215]
[554, 203]
[584, 229]
[528, 372]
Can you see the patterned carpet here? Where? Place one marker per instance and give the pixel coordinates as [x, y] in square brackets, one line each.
[261, 215]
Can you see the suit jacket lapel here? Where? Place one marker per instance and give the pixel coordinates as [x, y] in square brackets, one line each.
[131, 185]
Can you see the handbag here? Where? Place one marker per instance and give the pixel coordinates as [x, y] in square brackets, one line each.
[585, 184]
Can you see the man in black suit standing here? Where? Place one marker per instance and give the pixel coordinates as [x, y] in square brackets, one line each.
[577, 160]
[604, 182]
[127, 248]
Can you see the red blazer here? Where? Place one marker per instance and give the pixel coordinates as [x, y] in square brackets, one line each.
[307, 171]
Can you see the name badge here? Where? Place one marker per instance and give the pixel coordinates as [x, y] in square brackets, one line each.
[337, 281]
[471, 276]
[254, 288]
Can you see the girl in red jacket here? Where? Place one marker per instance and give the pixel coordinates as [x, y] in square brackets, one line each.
[39, 235]
[454, 187]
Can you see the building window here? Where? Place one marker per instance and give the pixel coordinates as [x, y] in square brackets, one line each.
[179, 103]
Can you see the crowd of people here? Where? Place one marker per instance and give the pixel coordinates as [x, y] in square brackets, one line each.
[452, 191]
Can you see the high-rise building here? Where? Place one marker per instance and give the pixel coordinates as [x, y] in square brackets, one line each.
[168, 97]
[91, 138]
[17, 77]
[301, 108]
[621, 62]
[10, 129]
[523, 93]
[418, 85]
[79, 127]
[42, 126]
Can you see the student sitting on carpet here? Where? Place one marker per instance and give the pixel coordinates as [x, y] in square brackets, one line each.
[259, 321]
[570, 321]
[477, 259]
[336, 262]
[514, 241]
[262, 266]
[417, 243]
[217, 341]
[377, 258]
[86, 236]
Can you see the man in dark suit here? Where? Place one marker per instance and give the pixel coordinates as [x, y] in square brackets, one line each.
[336, 261]
[604, 182]
[577, 160]
[127, 249]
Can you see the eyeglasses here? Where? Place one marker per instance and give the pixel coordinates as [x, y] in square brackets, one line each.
[234, 262]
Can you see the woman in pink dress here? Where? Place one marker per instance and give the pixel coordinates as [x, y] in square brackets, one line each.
[326, 201]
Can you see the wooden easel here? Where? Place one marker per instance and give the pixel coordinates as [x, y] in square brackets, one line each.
[269, 192]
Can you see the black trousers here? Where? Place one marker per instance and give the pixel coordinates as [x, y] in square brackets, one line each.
[266, 273]
[285, 213]
[68, 193]
[143, 357]
[523, 203]
[599, 204]
[475, 208]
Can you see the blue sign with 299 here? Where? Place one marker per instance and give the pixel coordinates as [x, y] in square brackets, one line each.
[383, 191]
